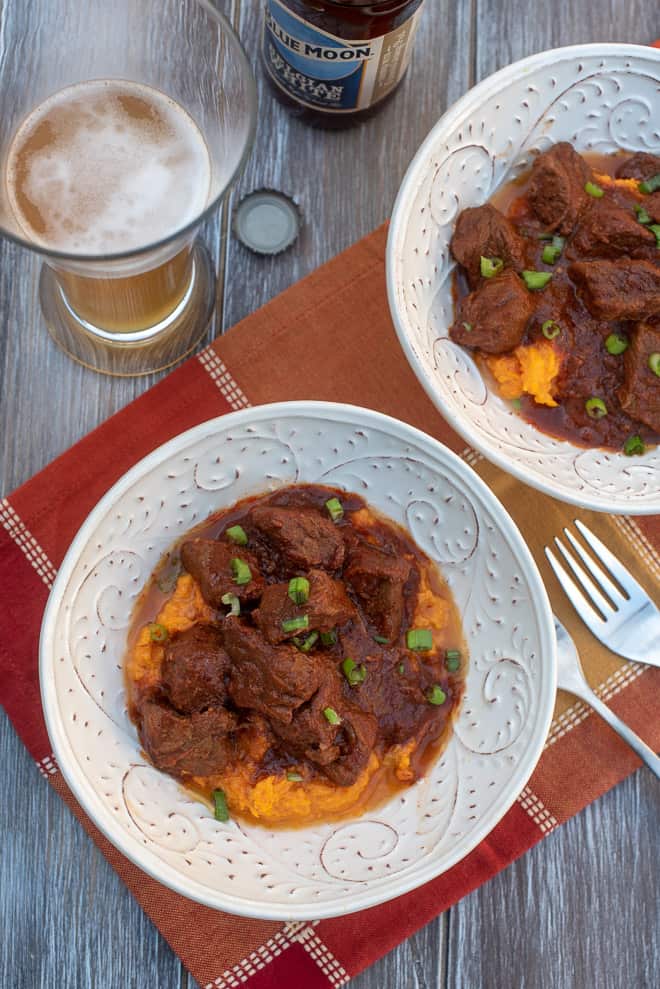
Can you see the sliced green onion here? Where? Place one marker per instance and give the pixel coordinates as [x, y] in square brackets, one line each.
[467, 327]
[158, 633]
[295, 624]
[596, 408]
[241, 571]
[517, 404]
[650, 185]
[354, 674]
[237, 534]
[329, 638]
[294, 777]
[642, 215]
[309, 641]
[535, 280]
[335, 509]
[401, 668]
[490, 266]
[299, 590]
[331, 716]
[419, 639]
[616, 343]
[633, 445]
[381, 640]
[552, 252]
[550, 329]
[453, 660]
[655, 227]
[654, 363]
[435, 694]
[547, 236]
[593, 190]
[233, 602]
[221, 810]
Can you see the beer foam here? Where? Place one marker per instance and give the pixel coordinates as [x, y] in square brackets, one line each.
[105, 167]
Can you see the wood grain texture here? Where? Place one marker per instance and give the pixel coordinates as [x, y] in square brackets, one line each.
[65, 918]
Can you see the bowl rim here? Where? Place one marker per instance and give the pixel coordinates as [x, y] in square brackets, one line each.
[84, 791]
[409, 184]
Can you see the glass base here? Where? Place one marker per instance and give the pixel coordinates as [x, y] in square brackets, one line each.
[131, 354]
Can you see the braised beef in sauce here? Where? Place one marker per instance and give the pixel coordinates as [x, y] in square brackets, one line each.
[588, 337]
[297, 663]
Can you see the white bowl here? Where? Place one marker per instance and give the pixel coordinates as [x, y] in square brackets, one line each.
[599, 97]
[332, 869]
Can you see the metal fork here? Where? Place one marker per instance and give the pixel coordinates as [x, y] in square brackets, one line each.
[570, 677]
[629, 622]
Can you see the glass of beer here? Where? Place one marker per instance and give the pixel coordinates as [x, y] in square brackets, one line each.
[124, 124]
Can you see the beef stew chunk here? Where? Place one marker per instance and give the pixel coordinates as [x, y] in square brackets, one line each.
[640, 393]
[557, 187]
[303, 537]
[272, 680]
[194, 669]
[608, 231]
[341, 750]
[196, 745]
[378, 579]
[639, 166]
[620, 289]
[493, 317]
[209, 562]
[482, 231]
[328, 606]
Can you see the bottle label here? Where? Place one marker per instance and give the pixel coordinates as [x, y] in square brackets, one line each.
[328, 73]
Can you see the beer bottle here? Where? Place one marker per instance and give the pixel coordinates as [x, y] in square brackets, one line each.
[334, 63]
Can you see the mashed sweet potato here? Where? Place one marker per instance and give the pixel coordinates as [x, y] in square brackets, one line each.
[527, 370]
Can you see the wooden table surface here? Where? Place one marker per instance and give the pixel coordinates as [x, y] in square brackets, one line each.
[581, 909]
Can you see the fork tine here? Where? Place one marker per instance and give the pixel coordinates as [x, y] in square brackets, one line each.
[609, 560]
[600, 576]
[585, 582]
[590, 618]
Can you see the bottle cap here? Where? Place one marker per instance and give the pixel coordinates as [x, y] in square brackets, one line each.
[266, 221]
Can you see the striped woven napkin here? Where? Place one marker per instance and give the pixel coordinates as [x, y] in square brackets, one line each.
[353, 356]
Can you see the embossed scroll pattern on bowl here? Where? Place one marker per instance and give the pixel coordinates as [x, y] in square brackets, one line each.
[601, 98]
[323, 870]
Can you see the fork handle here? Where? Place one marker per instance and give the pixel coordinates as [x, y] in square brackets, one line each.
[644, 751]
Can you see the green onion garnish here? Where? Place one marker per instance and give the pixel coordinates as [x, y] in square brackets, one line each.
[237, 534]
[381, 640]
[546, 236]
[552, 252]
[241, 571]
[453, 660]
[655, 227]
[633, 445]
[299, 590]
[419, 639]
[517, 404]
[329, 638]
[309, 641]
[295, 624]
[642, 215]
[354, 674]
[490, 266]
[331, 716]
[650, 185]
[157, 632]
[616, 343]
[535, 280]
[467, 327]
[233, 602]
[294, 777]
[654, 363]
[435, 694]
[221, 811]
[550, 329]
[596, 408]
[401, 668]
[335, 509]
[593, 190]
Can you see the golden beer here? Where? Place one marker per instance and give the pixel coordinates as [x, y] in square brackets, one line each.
[107, 168]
